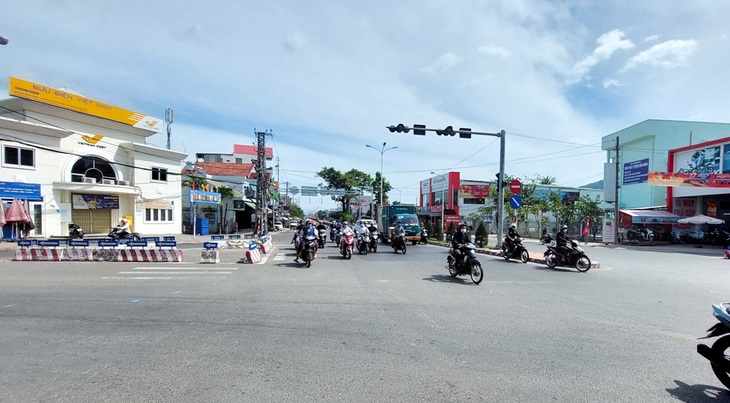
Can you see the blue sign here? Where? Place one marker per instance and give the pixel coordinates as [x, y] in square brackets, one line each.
[636, 172]
[25, 243]
[23, 191]
[137, 244]
[94, 202]
[515, 201]
[53, 242]
[105, 243]
[167, 244]
[210, 245]
[78, 242]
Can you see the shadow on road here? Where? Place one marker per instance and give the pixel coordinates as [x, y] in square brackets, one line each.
[443, 278]
[698, 393]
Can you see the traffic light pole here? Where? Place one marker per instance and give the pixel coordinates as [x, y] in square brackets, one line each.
[464, 133]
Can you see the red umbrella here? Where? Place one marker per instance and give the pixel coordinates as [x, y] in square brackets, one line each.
[16, 213]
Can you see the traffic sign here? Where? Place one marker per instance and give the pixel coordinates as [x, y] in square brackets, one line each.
[515, 201]
[515, 187]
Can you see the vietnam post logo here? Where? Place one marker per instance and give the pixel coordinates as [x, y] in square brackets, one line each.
[92, 139]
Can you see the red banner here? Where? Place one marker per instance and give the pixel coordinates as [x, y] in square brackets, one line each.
[687, 179]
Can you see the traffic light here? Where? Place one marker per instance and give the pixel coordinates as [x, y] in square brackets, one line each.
[419, 130]
[400, 128]
[464, 133]
[448, 131]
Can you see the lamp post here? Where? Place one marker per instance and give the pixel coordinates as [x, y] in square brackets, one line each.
[382, 151]
[443, 207]
[3, 41]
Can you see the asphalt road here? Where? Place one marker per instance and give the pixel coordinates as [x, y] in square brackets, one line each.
[381, 327]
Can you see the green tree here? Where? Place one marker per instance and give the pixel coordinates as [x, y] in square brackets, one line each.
[591, 210]
[482, 236]
[351, 182]
[563, 212]
[375, 185]
[295, 211]
[429, 229]
[451, 230]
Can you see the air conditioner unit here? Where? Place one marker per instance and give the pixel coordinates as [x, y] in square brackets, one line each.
[123, 183]
[108, 181]
[89, 180]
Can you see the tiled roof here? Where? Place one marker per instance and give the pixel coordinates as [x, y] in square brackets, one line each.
[225, 169]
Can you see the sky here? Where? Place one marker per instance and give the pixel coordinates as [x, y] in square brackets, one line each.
[326, 78]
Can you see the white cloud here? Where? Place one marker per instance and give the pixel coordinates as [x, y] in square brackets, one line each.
[493, 50]
[651, 38]
[608, 43]
[667, 54]
[443, 63]
[612, 82]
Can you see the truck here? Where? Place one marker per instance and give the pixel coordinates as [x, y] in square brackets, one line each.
[406, 214]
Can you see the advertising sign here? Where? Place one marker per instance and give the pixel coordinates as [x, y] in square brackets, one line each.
[94, 202]
[18, 190]
[609, 234]
[474, 191]
[199, 196]
[636, 171]
[701, 161]
[687, 179]
[66, 100]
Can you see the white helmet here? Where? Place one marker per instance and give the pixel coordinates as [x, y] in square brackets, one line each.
[513, 225]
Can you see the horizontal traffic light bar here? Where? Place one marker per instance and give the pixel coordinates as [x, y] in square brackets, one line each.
[420, 130]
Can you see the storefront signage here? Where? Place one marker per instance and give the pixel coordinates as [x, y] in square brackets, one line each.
[62, 99]
[698, 161]
[636, 171]
[94, 202]
[198, 196]
[474, 191]
[18, 190]
[687, 179]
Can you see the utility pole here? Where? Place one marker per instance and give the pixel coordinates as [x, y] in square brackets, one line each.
[262, 184]
[616, 206]
[168, 121]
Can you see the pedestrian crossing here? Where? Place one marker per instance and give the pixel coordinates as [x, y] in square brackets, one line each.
[174, 272]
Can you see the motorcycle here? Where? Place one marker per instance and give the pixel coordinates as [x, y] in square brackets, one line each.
[363, 243]
[346, 245]
[336, 237]
[374, 241]
[645, 234]
[576, 257]
[398, 243]
[461, 265]
[74, 231]
[718, 353]
[518, 251]
[424, 236]
[309, 249]
[114, 235]
[322, 238]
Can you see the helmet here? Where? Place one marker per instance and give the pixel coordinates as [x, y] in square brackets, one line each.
[344, 223]
[124, 220]
[513, 225]
[400, 222]
[461, 225]
[564, 227]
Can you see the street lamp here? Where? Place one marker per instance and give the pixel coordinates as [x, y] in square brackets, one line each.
[382, 151]
[3, 41]
[443, 207]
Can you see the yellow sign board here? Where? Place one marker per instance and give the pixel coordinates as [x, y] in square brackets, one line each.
[62, 99]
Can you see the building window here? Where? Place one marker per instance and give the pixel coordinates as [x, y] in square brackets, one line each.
[157, 215]
[475, 201]
[18, 157]
[92, 167]
[159, 174]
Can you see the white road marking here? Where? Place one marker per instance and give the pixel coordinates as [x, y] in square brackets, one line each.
[177, 272]
[211, 268]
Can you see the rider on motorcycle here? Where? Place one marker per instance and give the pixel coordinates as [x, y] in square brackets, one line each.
[561, 241]
[122, 229]
[460, 239]
[399, 231]
[345, 231]
[512, 236]
[307, 230]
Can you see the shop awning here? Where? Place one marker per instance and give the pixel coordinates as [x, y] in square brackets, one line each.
[251, 205]
[651, 216]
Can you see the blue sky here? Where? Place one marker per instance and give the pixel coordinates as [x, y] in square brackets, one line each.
[327, 77]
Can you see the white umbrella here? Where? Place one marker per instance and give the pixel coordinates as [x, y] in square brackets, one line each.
[701, 219]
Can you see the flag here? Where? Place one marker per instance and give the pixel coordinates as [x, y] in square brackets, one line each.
[586, 229]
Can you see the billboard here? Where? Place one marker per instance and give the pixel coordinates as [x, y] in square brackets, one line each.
[699, 161]
[636, 172]
[67, 100]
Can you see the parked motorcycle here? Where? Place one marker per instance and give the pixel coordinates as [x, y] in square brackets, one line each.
[518, 251]
[644, 234]
[74, 231]
[363, 243]
[719, 353]
[398, 243]
[576, 257]
[424, 236]
[346, 245]
[115, 235]
[374, 241]
[465, 262]
[309, 249]
[322, 237]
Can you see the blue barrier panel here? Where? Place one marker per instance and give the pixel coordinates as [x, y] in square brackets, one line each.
[217, 237]
[210, 245]
[107, 243]
[151, 238]
[25, 243]
[137, 244]
[53, 242]
[234, 237]
[167, 244]
[253, 245]
[249, 236]
[168, 238]
[78, 242]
